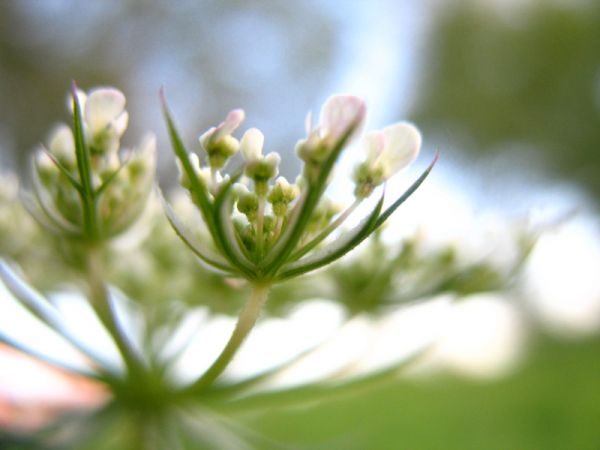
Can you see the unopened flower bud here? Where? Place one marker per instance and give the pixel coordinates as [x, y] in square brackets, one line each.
[281, 195]
[106, 119]
[218, 142]
[247, 202]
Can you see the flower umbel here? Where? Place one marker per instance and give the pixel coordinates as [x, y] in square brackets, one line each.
[85, 187]
[273, 239]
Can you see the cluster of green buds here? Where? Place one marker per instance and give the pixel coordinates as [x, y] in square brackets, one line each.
[84, 185]
[264, 228]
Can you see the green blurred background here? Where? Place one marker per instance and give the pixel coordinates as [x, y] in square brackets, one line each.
[509, 91]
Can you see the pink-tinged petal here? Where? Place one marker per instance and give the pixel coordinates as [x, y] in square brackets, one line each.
[232, 121]
[308, 122]
[402, 145]
[102, 107]
[339, 113]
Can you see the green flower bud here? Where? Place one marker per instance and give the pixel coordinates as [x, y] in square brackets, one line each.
[218, 142]
[281, 195]
[247, 202]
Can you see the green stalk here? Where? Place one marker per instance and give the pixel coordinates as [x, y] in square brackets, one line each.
[100, 302]
[245, 323]
[260, 220]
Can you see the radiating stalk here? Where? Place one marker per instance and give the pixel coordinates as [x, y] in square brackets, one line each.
[245, 323]
[100, 302]
[260, 225]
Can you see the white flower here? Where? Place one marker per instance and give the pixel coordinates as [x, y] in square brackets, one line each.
[388, 151]
[142, 165]
[218, 142]
[392, 148]
[229, 125]
[258, 167]
[251, 145]
[104, 112]
[62, 145]
[339, 114]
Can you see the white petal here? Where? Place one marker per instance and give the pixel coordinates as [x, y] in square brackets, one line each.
[147, 151]
[120, 123]
[273, 159]
[282, 183]
[340, 112]
[62, 144]
[43, 161]
[402, 145]
[102, 107]
[251, 144]
[373, 144]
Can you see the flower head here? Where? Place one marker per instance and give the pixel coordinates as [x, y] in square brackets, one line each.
[258, 168]
[105, 119]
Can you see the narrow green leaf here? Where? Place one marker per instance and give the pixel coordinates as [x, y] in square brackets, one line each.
[112, 176]
[63, 170]
[84, 167]
[42, 203]
[389, 211]
[40, 218]
[225, 233]
[200, 194]
[242, 387]
[335, 250]
[5, 339]
[334, 225]
[308, 393]
[82, 152]
[200, 249]
[43, 310]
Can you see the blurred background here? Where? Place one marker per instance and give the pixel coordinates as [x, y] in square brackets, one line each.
[507, 90]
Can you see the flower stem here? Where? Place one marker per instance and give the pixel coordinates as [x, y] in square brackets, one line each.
[100, 302]
[260, 221]
[244, 325]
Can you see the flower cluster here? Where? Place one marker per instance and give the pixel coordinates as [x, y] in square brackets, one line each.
[265, 228]
[85, 186]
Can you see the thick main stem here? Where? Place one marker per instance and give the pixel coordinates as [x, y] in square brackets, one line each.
[245, 323]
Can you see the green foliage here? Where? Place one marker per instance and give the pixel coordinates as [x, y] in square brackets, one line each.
[528, 83]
